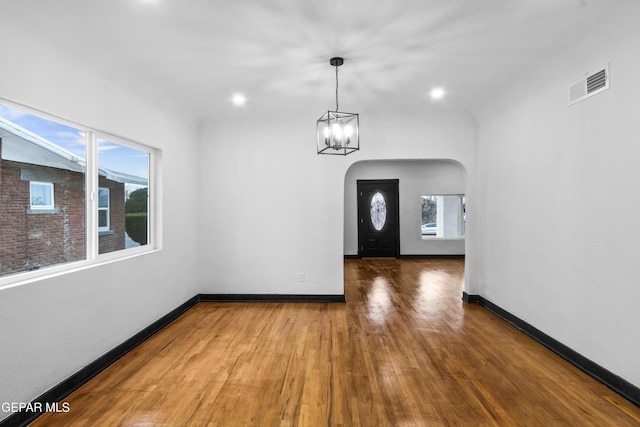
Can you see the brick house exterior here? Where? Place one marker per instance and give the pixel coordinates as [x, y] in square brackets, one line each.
[34, 238]
[113, 240]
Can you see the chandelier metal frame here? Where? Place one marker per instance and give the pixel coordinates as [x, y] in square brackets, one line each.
[337, 132]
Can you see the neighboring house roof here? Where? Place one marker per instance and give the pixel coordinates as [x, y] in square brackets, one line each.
[22, 145]
[122, 177]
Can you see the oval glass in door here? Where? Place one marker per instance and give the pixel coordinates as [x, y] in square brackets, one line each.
[378, 211]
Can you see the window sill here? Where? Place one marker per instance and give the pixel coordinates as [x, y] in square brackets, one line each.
[426, 238]
[106, 232]
[53, 211]
[48, 272]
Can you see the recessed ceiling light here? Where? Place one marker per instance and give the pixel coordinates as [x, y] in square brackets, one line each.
[239, 99]
[437, 93]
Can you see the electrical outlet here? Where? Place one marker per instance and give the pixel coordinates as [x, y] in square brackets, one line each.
[300, 277]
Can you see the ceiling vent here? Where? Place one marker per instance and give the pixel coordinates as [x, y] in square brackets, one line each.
[590, 85]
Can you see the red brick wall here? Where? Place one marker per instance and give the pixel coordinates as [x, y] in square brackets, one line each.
[114, 239]
[30, 241]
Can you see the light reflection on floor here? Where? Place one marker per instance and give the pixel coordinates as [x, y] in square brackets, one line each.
[423, 296]
[430, 289]
[434, 288]
[379, 300]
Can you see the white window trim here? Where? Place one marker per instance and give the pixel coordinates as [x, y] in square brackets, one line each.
[153, 227]
[49, 185]
[93, 259]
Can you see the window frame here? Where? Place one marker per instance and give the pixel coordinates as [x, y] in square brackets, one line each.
[91, 179]
[102, 208]
[51, 189]
[440, 213]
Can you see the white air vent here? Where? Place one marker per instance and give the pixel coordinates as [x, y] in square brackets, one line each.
[592, 84]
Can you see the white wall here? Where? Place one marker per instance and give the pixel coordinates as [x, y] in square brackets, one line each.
[552, 248]
[278, 208]
[52, 328]
[416, 178]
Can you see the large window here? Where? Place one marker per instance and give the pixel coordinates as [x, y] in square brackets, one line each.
[443, 216]
[68, 193]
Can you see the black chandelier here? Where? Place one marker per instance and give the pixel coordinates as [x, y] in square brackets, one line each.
[338, 132]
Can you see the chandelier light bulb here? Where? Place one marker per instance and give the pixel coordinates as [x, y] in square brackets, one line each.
[336, 129]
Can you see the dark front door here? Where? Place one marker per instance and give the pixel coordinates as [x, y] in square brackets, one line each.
[378, 219]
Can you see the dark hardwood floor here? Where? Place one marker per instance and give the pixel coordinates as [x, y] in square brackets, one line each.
[403, 351]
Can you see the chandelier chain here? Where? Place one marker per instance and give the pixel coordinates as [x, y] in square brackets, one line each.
[337, 109]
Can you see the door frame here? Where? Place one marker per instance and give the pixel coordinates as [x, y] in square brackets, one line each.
[361, 233]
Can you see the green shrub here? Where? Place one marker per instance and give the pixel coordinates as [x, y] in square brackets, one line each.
[137, 201]
[136, 226]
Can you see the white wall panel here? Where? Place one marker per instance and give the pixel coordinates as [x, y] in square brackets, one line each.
[557, 229]
[54, 327]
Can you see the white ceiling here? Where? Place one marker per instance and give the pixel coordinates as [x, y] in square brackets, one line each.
[197, 53]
